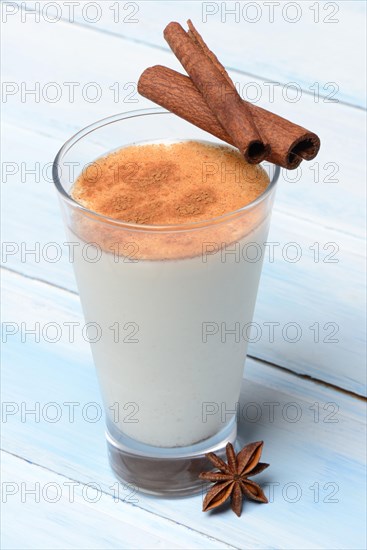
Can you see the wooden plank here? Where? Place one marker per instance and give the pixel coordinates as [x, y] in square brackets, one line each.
[62, 513]
[314, 440]
[328, 191]
[266, 39]
[310, 293]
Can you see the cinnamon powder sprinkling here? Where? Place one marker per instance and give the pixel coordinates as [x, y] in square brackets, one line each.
[159, 184]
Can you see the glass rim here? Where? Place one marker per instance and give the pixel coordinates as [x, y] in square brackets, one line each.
[144, 227]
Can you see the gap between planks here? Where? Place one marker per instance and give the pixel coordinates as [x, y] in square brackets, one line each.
[309, 378]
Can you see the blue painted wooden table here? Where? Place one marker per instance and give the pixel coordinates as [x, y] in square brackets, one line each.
[66, 65]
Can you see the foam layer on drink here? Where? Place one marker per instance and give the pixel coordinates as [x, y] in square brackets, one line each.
[166, 184]
[170, 183]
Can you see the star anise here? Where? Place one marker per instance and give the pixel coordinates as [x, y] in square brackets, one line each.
[232, 479]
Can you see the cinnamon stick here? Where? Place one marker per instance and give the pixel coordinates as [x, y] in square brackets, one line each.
[220, 96]
[176, 92]
[290, 143]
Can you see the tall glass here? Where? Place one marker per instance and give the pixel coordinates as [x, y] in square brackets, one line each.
[170, 306]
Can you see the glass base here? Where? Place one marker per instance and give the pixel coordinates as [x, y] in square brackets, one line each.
[163, 471]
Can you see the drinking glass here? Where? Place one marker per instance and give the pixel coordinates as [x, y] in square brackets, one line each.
[171, 306]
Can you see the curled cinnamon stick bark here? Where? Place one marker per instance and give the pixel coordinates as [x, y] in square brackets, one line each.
[176, 92]
[220, 96]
